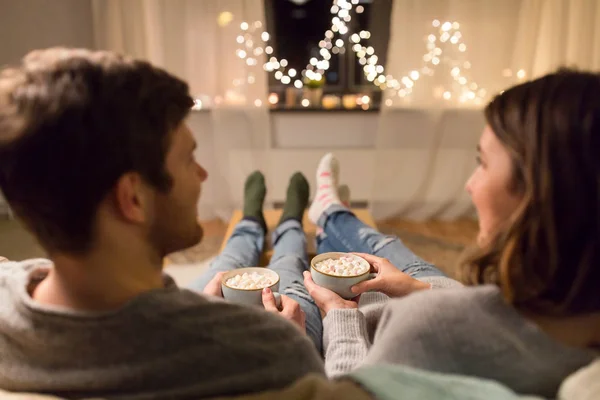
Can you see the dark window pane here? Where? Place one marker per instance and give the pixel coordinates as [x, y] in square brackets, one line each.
[371, 20]
[297, 29]
[301, 29]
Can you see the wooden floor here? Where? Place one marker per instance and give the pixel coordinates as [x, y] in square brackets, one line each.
[462, 232]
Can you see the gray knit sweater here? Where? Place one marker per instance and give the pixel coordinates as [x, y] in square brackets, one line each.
[467, 331]
[167, 343]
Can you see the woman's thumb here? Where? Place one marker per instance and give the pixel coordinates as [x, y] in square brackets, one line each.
[268, 300]
[364, 286]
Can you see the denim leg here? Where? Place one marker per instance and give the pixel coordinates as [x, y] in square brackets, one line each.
[243, 249]
[290, 260]
[325, 245]
[342, 231]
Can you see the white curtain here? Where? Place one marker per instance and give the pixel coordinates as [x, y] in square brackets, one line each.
[193, 39]
[557, 33]
[426, 140]
[197, 40]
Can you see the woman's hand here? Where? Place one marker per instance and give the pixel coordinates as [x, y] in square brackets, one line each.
[326, 299]
[213, 288]
[289, 309]
[390, 280]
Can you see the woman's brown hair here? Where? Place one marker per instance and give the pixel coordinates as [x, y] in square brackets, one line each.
[547, 258]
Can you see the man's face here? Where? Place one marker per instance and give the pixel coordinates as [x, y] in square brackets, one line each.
[175, 226]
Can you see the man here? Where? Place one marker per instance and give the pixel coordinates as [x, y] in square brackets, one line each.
[98, 163]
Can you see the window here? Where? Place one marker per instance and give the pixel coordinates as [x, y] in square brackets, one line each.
[321, 33]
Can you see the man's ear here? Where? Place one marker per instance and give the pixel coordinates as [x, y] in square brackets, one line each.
[131, 199]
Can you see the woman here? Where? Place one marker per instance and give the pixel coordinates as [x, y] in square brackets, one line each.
[530, 315]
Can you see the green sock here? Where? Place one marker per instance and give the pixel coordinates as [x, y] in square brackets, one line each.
[296, 198]
[254, 197]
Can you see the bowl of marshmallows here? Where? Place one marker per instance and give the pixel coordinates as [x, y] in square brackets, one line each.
[338, 272]
[245, 285]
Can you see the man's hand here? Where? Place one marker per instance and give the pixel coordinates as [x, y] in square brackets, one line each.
[290, 309]
[390, 280]
[213, 288]
[326, 299]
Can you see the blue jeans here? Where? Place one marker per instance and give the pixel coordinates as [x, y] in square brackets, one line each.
[289, 260]
[342, 231]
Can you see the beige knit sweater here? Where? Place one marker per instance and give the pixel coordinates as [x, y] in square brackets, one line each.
[466, 331]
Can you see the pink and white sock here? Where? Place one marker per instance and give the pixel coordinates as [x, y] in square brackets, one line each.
[327, 191]
[344, 196]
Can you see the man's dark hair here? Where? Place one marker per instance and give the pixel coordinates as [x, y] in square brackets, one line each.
[72, 122]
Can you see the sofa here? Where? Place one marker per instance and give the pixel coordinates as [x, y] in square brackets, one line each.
[400, 383]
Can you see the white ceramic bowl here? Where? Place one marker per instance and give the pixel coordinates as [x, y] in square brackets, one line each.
[339, 284]
[247, 296]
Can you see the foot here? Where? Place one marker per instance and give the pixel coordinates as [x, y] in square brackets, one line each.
[296, 198]
[326, 195]
[254, 197]
[344, 195]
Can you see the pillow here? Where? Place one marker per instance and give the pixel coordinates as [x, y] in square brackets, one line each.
[583, 384]
[397, 382]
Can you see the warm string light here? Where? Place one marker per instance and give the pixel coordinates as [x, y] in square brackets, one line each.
[375, 72]
[250, 49]
[254, 42]
[341, 11]
[448, 33]
[273, 99]
[197, 104]
[520, 75]
[317, 66]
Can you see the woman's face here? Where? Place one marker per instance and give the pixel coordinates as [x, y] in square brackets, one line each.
[489, 186]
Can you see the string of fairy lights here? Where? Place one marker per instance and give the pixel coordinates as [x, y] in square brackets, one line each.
[332, 43]
[445, 37]
[444, 46]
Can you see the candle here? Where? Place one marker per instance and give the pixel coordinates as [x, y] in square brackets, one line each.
[349, 101]
[330, 101]
[273, 99]
[291, 95]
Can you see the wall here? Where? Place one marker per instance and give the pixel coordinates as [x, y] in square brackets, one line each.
[26, 25]
[297, 142]
[408, 162]
[32, 24]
